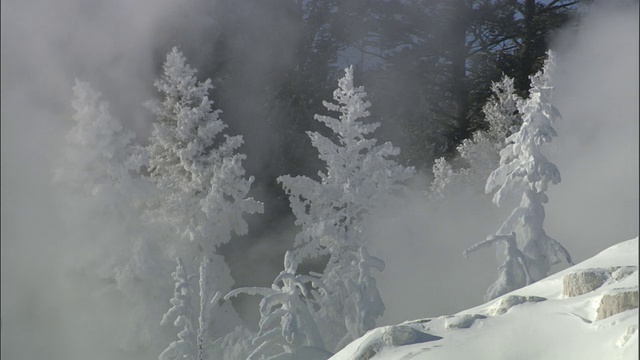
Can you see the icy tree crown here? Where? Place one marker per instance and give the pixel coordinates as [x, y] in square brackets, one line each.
[521, 160]
[199, 170]
[524, 171]
[359, 176]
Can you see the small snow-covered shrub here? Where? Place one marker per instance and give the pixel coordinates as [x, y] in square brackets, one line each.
[285, 320]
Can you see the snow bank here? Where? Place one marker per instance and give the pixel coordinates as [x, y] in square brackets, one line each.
[586, 312]
[587, 280]
[620, 301]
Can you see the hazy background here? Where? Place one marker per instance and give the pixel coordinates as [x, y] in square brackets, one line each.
[115, 46]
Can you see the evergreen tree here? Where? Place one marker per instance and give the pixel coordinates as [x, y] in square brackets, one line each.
[286, 323]
[194, 339]
[479, 155]
[524, 171]
[199, 174]
[101, 159]
[513, 271]
[100, 178]
[335, 211]
[182, 315]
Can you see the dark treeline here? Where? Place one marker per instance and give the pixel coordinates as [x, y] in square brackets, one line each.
[427, 66]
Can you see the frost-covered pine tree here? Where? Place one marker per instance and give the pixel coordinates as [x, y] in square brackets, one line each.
[100, 156]
[104, 194]
[479, 155]
[197, 168]
[367, 303]
[513, 273]
[181, 314]
[286, 323]
[525, 172]
[360, 177]
[335, 212]
[199, 174]
[194, 340]
[501, 110]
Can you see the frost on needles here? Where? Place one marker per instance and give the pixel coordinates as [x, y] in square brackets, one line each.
[526, 173]
[196, 166]
[203, 192]
[359, 177]
[334, 212]
[479, 154]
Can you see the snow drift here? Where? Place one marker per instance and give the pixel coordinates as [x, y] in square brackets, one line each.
[588, 311]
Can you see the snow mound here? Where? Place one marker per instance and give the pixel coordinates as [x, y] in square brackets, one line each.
[615, 303]
[462, 321]
[505, 303]
[587, 280]
[587, 312]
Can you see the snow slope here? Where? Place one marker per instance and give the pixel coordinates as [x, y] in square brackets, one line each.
[548, 325]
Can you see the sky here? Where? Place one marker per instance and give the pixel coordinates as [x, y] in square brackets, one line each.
[114, 45]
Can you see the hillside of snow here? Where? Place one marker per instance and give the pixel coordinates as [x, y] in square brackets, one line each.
[588, 311]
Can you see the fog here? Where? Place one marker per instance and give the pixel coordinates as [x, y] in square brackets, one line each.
[116, 46]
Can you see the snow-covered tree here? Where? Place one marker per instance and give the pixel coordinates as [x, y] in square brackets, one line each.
[335, 211]
[100, 156]
[443, 177]
[198, 169]
[479, 155]
[501, 110]
[525, 172]
[194, 340]
[367, 303]
[181, 314]
[360, 177]
[103, 196]
[286, 323]
[237, 344]
[513, 272]
[199, 174]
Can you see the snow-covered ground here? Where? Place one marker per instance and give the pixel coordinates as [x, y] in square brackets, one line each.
[547, 324]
